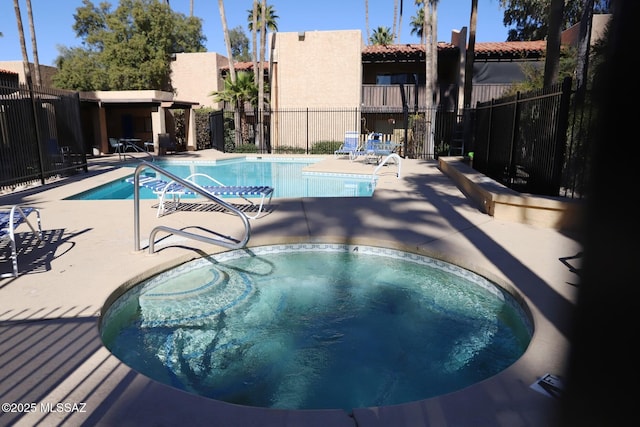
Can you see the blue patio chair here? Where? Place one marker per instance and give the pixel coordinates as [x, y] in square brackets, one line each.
[350, 145]
[375, 148]
[117, 146]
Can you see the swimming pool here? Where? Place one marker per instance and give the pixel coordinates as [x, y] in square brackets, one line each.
[316, 326]
[286, 175]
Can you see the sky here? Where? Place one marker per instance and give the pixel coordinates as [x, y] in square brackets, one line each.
[53, 21]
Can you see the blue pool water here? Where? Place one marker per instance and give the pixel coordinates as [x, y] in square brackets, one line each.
[285, 175]
[317, 326]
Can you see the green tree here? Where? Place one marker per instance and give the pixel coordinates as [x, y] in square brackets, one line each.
[534, 75]
[239, 44]
[129, 48]
[381, 36]
[530, 18]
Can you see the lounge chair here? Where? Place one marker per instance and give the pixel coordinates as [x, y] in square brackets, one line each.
[375, 148]
[166, 144]
[10, 219]
[350, 144]
[117, 146]
[176, 190]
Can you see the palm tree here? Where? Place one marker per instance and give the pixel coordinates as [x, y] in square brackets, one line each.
[417, 24]
[261, 18]
[227, 41]
[584, 41]
[237, 93]
[263, 42]
[270, 17]
[399, 24]
[381, 36]
[23, 46]
[468, 71]
[552, 60]
[34, 45]
[395, 17]
[232, 69]
[366, 18]
[430, 34]
[253, 27]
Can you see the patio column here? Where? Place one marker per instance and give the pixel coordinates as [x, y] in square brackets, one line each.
[191, 143]
[158, 124]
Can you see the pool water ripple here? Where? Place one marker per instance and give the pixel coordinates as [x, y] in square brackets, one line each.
[312, 326]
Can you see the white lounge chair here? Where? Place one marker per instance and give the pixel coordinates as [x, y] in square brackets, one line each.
[350, 144]
[176, 190]
[10, 219]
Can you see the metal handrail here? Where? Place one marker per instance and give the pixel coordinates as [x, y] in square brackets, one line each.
[137, 149]
[386, 159]
[197, 189]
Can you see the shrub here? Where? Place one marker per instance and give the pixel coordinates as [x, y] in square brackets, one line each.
[325, 147]
[203, 134]
[246, 148]
[283, 149]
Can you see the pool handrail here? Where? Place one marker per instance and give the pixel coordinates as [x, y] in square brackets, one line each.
[394, 156]
[123, 155]
[195, 188]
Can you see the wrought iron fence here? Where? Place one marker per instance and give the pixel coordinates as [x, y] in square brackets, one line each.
[321, 131]
[534, 142]
[40, 134]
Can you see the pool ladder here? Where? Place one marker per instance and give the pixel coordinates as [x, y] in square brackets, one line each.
[230, 243]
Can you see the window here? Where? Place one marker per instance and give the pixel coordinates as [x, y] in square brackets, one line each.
[398, 78]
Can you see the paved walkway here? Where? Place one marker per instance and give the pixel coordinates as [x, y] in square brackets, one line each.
[50, 350]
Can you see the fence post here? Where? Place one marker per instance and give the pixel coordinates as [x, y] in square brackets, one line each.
[34, 112]
[561, 134]
[307, 131]
[512, 148]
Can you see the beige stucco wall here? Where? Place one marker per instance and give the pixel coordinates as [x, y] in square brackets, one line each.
[46, 72]
[318, 70]
[599, 23]
[195, 75]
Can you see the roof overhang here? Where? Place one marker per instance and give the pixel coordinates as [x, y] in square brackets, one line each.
[148, 97]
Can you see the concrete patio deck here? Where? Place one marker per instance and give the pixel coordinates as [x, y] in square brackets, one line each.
[51, 352]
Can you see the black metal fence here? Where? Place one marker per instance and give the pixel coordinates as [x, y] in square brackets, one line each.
[322, 130]
[40, 134]
[534, 143]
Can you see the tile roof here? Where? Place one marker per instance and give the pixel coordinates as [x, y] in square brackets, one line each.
[528, 49]
[400, 52]
[413, 51]
[244, 66]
